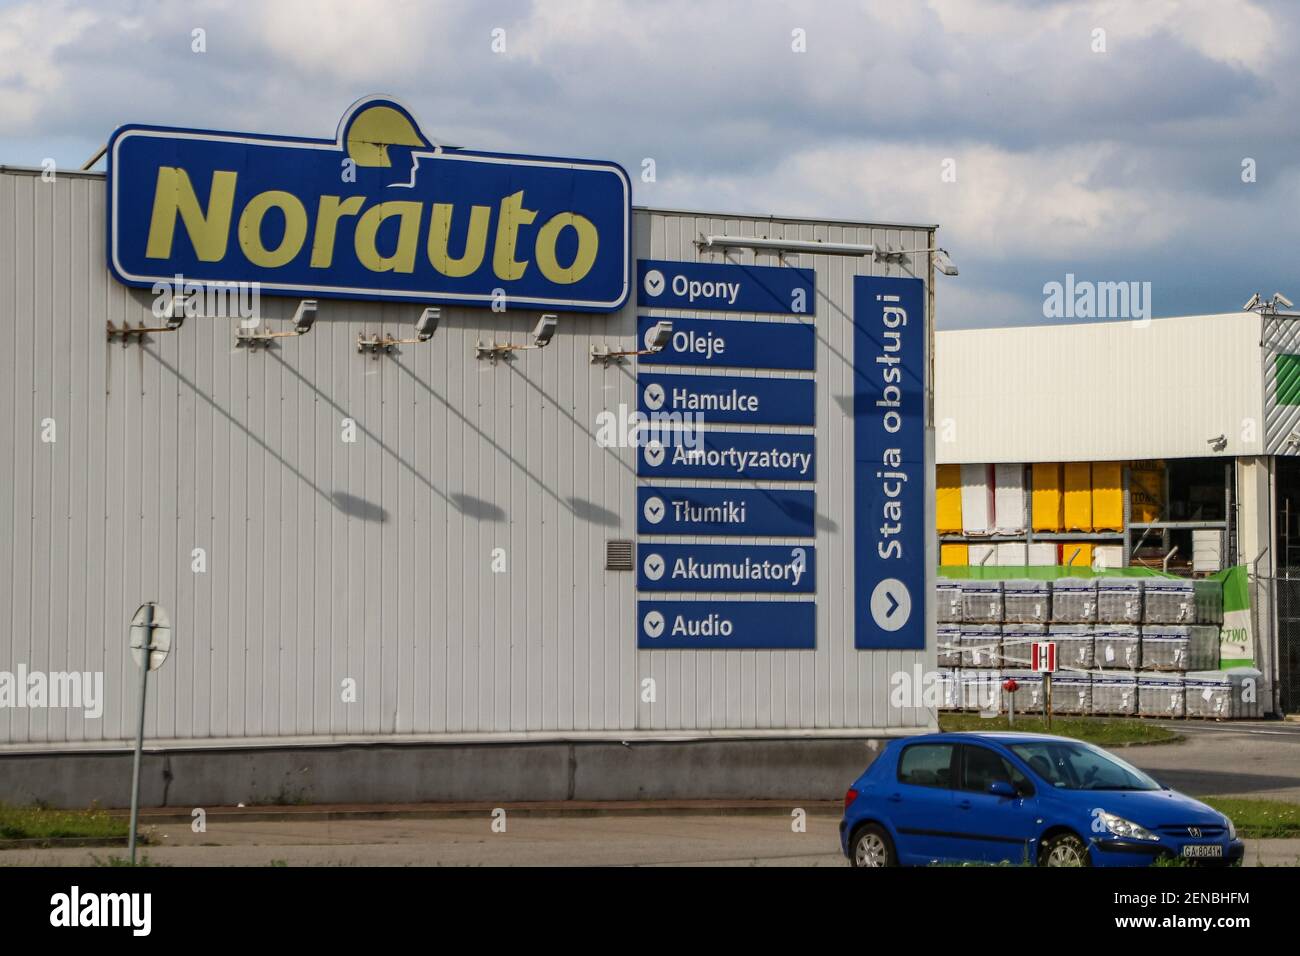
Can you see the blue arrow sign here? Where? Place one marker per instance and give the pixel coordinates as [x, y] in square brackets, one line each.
[725, 287]
[725, 511]
[754, 456]
[733, 343]
[781, 569]
[726, 624]
[729, 399]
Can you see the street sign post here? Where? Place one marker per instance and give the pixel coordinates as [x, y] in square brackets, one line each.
[1043, 660]
[151, 641]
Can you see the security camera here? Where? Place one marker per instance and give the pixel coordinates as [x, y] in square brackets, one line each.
[1279, 297]
[1251, 304]
[427, 323]
[544, 331]
[660, 334]
[304, 316]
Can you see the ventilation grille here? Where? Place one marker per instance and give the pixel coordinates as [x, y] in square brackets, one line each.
[618, 555]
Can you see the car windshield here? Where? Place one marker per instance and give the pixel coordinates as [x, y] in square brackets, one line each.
[1069, 765]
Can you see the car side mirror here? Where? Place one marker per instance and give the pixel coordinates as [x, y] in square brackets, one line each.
[1002, 788]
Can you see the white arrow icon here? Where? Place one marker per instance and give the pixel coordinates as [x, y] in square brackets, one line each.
[654, 566]
[654, 454]
[654, 509]
[653, 623]
[891, 604]
[654, 282]
[654, 396]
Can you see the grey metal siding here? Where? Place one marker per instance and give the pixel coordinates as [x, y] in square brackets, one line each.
[371, 560]
[1280, 337]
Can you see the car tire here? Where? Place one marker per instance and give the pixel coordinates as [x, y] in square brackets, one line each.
[1064, 849]
[872, 847]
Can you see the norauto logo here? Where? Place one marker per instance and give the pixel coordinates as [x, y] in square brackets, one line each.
[379, 211]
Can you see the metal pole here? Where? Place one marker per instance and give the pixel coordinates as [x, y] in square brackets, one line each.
[1047, 698]
[145, 653]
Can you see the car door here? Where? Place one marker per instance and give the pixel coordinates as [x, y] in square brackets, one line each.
[994, 828]
[920, 802]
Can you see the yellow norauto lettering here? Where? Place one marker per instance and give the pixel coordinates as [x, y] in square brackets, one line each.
[328, 214]
[583, 260]
[513, 215]
[475, 240]
[208, 230]
[250, 228]
[403, 258]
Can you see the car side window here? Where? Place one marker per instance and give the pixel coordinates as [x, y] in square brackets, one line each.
[927, 765]
[982, 766]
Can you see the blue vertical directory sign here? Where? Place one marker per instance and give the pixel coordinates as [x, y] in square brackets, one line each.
[736, 625]
[890, 528]
[725, 287]
[733, 343]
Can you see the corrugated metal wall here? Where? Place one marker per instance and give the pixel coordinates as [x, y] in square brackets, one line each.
[1281, 358]
[1105, 391]
[372, 561]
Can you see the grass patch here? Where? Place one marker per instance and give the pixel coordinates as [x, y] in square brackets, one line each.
[1102, 731]
[1259, 819]
[43, 823]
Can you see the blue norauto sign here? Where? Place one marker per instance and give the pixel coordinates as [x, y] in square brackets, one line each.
[377, 212]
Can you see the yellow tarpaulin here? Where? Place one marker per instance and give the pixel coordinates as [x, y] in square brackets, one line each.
[1107, 496]
[1146, 489]
[948, 500]
[1083, 561]
[1048, 504]
[1077, 482]
[950, 554]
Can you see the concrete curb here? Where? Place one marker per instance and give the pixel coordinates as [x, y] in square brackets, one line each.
[56, 843]
[450, 811]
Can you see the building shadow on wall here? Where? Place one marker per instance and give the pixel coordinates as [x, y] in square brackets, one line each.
[478, 508]
[355, 507]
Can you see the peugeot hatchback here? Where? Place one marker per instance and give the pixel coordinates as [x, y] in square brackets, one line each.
[1022, 799]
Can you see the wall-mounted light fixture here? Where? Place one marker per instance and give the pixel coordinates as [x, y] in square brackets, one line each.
[425, 326]
[543, 332]
[809, 246]
[657, 338]
[172, 313]
[942, 261]
[303, 318]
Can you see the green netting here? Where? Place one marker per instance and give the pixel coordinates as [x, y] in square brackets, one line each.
[1042, 573]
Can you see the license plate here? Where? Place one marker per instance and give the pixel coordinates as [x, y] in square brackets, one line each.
[1202, 850]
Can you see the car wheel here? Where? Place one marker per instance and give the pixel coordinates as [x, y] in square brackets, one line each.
[872, 847]
[1064, 849]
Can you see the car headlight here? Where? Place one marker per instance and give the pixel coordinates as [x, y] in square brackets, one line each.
[1232, 829]
[1126, 828]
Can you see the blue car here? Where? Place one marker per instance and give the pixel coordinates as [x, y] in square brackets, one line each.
[1022, 799]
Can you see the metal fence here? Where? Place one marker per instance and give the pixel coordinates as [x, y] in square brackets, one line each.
[1287, 592]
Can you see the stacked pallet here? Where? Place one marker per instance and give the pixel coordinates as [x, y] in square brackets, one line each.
[1124, 646]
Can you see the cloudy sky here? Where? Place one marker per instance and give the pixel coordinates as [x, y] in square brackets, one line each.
[1117, 165]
